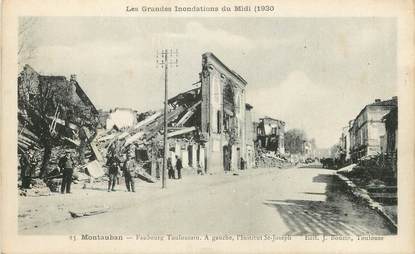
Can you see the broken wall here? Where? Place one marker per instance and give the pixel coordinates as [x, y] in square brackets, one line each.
[216, 80]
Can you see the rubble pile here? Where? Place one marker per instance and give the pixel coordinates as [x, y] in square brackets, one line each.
[369, 169]
[144, 140]
[36, 188]
[54, 115]
[54, 184]
[268, 159]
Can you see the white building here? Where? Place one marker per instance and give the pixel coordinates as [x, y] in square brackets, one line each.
[121, 118]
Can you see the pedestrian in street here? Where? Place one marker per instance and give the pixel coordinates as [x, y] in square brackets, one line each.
[66, 165]
[113, 164]
[170, 169]
[128, 170]
[179, 167]
[28, 162]
[242, 163]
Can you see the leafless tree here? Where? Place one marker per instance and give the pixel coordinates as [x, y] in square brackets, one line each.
[26, 50]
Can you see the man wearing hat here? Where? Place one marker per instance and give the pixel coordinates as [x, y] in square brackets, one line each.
[179, 167]
[128, 169]
[66, 165]
[113, 164]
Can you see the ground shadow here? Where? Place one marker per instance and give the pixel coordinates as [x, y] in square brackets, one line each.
[337, 215]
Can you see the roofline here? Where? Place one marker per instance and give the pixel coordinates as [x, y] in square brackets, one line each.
[234, 73]
[185, 92]
[88, 100]
[267, 117]
[371, 105]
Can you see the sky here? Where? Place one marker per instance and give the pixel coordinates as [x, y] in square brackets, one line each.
[313, 73]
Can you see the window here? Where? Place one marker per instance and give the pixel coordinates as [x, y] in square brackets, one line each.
[219, 121]
[226, 122]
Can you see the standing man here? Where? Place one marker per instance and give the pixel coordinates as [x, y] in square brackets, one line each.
[170, 169]
[66, 165]
[27, 164]
[242, 163]
[113, 165]
[179, 167]
[128, 169]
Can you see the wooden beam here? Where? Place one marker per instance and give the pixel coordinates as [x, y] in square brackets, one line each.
[180, 132]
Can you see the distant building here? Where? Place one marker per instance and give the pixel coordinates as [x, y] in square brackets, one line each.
[121, 118]
[345, 143]
[368, 127]
[270, 134]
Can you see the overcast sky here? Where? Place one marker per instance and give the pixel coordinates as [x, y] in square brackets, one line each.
[312, 73]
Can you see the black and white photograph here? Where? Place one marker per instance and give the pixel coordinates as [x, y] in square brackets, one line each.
[212, 129]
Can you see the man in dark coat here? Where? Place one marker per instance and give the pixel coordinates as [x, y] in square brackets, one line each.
[179, 167]
[128, 169]
[113, 164]
[170, 169]
[27, 162]
[242, 163]
[66, 165]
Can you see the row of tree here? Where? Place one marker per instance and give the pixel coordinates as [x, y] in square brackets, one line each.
[295, 141]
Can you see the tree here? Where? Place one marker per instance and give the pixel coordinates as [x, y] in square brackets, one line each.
[26, 50]
[294, 141]
[44, 98]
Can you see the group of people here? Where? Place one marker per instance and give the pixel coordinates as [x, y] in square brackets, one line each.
[114, 164]
[170, 169]
[115, 167]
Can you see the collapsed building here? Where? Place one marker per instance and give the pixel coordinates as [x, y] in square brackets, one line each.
[271, 134]
[206, 126]
[209, 127]
[52, 112]
[270, 143]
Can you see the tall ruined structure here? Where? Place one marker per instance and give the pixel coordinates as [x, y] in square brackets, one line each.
[222, 115]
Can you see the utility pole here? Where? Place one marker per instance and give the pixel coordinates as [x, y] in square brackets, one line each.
[164, 59]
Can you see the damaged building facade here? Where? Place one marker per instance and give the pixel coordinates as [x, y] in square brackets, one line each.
[206, 127]
[270, 134]
[209, 127]
[222, 115]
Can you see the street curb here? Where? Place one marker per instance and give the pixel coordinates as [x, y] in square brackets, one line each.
[363, 196]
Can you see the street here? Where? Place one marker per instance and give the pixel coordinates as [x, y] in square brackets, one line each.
[295, 201]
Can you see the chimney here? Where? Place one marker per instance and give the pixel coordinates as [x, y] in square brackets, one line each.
[395, 98]
[73, 77]
[377, 100]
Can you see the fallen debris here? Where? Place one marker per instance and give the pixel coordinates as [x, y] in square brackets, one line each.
[54, 184]
[346, 169]
[93, 211]
[268, 159]
[94, 169]
[37, 188]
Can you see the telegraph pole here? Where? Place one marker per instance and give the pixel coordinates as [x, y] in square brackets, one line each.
[166, 60]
